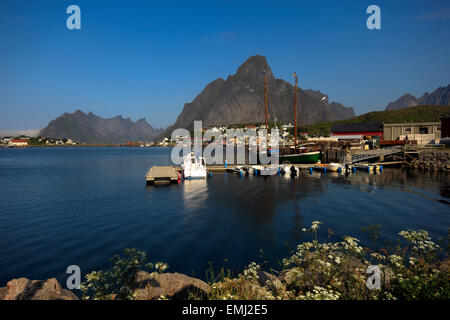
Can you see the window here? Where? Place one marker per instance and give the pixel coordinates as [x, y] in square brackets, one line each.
[407, 130]
[438, 129]
[423, 130]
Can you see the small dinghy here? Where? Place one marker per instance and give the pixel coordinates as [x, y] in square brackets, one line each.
[256, 170]
[243, 169]
[270, 171]
[332, 167]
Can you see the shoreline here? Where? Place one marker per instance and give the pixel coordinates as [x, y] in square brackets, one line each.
[415, 269]
[435, 160]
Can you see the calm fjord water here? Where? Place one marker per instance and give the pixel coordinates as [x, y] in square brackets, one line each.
[63, 206]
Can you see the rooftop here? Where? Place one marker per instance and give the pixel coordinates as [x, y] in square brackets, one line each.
[357, 127]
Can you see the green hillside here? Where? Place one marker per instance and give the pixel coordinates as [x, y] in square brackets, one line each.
[413, 114]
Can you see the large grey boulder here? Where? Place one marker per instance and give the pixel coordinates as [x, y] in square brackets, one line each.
[169, 285]
[25, 289]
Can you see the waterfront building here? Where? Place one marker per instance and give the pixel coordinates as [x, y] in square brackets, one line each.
[18, 143]
[422, 132]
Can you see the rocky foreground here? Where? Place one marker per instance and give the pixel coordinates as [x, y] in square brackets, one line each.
[148, 287]
[25, 289]
[411, 268]
[432, 160]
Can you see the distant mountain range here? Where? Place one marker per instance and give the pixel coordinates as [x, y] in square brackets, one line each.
[237, 100]
[439, 97]
[240, 99]
[89, 128]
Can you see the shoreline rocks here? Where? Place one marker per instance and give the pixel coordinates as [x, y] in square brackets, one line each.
[432, 160]
[176, 286]
[25, 289]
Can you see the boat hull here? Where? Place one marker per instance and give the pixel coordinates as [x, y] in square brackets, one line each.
[306, 157]
[328, 167]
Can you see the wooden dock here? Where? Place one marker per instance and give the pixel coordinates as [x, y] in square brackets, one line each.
[232, 167]
[160, 175]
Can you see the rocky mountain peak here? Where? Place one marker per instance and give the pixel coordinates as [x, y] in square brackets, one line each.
[240, 99]
[254, 66]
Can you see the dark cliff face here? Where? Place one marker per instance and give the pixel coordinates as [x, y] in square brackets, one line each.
[240, 99]
[340, 111]
[89, 128]
[439, 97]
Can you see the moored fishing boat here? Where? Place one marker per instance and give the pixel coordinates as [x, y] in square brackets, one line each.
[303, 157]
[194, 167]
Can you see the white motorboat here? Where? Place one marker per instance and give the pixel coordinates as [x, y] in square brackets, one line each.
[194, 167]
[288, 168]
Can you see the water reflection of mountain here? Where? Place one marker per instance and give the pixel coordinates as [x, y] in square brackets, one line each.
[257, 198]
[262, 200]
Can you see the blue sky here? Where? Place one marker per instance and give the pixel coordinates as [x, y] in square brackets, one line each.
[148, 58]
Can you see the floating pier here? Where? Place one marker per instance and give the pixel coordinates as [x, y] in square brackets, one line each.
[232, 167]
[369, 167]
[161, 175]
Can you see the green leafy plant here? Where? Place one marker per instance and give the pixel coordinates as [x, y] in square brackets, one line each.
[118, 282]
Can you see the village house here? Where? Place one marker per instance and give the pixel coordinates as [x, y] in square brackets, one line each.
[18, 143]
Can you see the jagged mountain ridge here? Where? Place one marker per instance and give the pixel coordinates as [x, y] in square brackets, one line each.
[439, 97]
[90, 128]
[340, 112]
[240, 99]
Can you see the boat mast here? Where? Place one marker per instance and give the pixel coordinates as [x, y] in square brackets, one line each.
[265, 95]
[295, 110]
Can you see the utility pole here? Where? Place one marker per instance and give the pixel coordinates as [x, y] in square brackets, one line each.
[295, 109]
